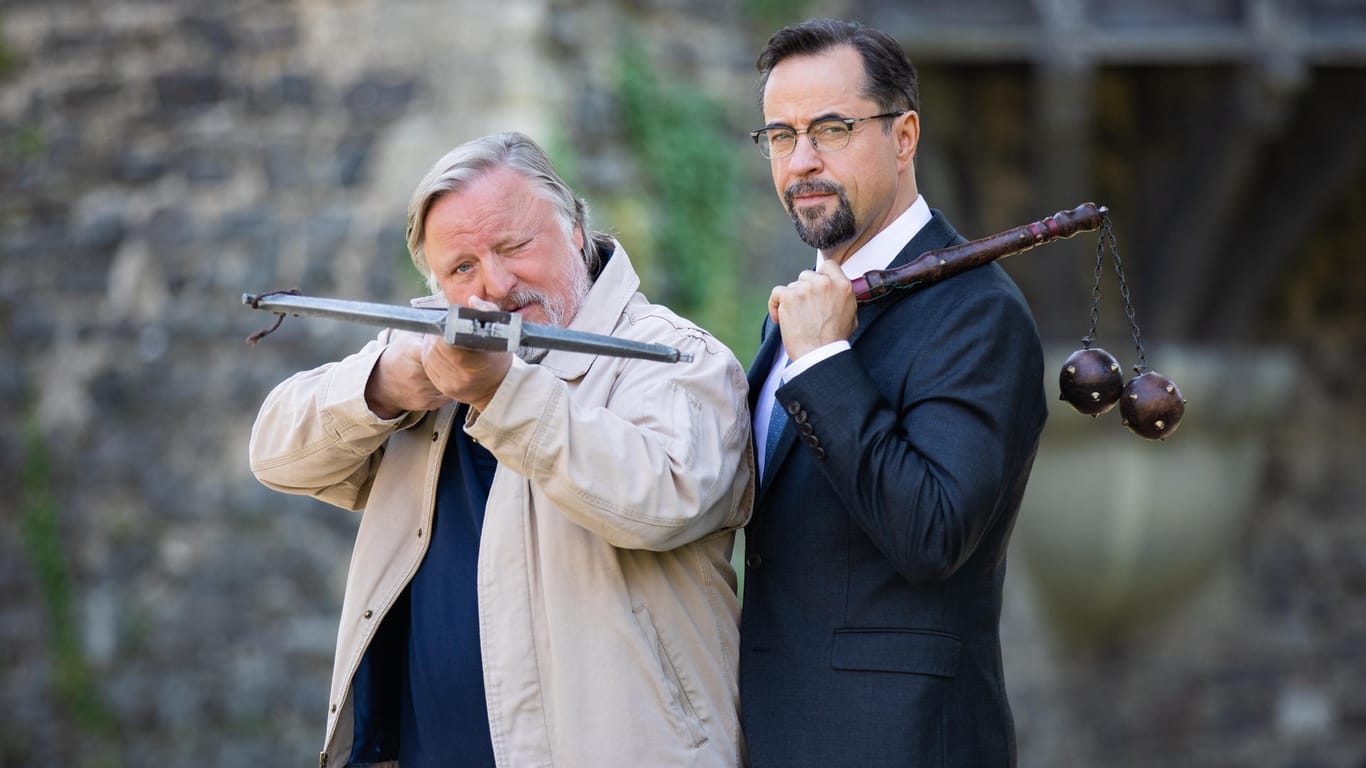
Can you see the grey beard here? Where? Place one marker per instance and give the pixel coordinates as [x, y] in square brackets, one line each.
[532, 355]
[558, 312]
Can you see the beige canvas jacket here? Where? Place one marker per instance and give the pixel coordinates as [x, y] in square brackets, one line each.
[608, 613]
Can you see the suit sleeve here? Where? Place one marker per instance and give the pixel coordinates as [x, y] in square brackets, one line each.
[924, 449]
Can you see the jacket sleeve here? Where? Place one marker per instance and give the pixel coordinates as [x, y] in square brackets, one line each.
[927, 477]
[316, 436]
[664, 462]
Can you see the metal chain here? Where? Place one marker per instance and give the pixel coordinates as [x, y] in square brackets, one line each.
[1090, 337]
[1107, 238]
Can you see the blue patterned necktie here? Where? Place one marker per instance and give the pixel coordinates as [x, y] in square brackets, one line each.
[777, 419]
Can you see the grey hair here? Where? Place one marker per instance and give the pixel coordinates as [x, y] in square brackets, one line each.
[473, 159]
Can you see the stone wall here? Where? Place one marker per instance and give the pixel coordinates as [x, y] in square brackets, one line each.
[158, 160]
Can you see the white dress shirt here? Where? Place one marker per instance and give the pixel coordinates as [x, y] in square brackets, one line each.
[877, 253]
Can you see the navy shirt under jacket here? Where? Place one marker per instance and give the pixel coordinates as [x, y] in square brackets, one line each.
[420, 688]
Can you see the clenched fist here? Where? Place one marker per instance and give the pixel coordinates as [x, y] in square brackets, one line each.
[814, 310]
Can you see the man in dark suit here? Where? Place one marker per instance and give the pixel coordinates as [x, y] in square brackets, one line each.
[904, 435]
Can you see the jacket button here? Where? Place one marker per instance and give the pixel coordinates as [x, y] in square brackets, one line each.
[332, 708]
[434, 436]
[368, 613]
[805, 429]
[754, 561]
[820, 453]
[794, 408]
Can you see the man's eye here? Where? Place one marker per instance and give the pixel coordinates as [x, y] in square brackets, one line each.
[781, 137]
[461, 269]
[830, 130]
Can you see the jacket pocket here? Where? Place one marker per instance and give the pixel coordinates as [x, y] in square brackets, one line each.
[681, 709]
[908, 651]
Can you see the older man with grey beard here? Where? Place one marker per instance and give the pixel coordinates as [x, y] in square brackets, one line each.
[541, 574]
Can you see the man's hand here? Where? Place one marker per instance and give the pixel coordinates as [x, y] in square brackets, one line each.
[815, 310]
[419, 372]
[466, 375]
[399, 381]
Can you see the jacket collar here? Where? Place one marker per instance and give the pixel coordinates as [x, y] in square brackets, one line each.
[602, 308]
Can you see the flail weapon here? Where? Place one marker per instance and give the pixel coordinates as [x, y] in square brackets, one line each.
[1090, 380]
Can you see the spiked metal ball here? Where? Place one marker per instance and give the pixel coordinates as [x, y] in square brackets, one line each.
[1152, 406]
[1090, 381]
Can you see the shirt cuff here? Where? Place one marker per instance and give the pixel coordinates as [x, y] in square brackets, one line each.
[814, 356]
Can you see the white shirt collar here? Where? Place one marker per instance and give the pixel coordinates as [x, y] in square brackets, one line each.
[885, 245]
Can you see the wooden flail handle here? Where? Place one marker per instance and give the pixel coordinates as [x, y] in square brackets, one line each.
[933, 266]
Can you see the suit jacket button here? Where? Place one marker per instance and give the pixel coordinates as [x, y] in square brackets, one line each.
[820, 452]
[800, 417]
[754, 561]
[794, 408]
[805, 428]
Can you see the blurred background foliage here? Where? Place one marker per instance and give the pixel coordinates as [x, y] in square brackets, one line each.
[681, 143]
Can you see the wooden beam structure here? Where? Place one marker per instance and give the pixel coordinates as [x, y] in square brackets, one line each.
[1227, 128]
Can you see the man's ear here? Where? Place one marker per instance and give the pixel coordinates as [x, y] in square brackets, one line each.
[907, 137]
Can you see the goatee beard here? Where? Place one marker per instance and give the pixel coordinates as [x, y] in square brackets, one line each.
[815, 228]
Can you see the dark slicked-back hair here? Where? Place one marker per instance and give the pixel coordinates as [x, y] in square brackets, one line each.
[889, 77]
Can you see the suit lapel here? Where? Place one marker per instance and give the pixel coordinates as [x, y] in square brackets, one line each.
[771, 341]
[769, 349]
[938, 233]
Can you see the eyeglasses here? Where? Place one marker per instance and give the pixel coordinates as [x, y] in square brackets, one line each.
[830, 134]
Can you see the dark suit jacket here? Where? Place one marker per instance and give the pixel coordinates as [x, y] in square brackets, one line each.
[875, 558]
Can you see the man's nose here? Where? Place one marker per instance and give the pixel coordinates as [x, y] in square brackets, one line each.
[499, 281]
[804, 158]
